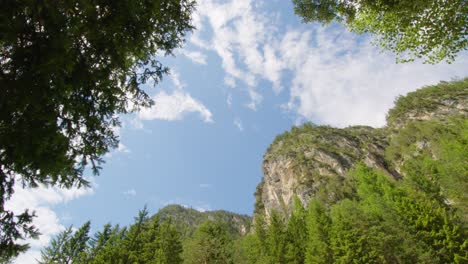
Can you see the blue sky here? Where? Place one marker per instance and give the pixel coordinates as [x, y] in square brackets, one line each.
[249, 72]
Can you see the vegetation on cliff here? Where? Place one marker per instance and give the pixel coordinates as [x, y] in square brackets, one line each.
[356, 195]
[390, 195]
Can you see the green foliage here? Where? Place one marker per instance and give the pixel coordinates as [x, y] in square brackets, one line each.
[247, 249]
[434, 30]
[187, 220]
[67, 247]
[375, 218]
[276, 239]
[144, 242]
[428, 99]
[296, 234]
[68, 69]
[318, 224]
[385, 221]
[313, 152]
[432, 155]
[210, 244]
[171, 249]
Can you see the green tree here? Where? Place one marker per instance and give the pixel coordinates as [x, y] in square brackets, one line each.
[296, 234]
[436, 225]
[211, 244]
[99, 241]
[247, 250]
[318, 225]
[389, 238]
[112, 251]
[433, 30]
[67, 69]
[276, 239]
[138, 239]
[67, 247]
[171, 245]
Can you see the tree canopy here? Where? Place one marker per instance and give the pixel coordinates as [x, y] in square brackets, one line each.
[433, 30]
[67, 69]
[145, 241]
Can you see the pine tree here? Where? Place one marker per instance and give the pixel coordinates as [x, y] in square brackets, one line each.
[68, 247]
[211, 244]
[99, 240]
[276, 239]
[296, 234]
[171, 245]
[132, 246]
[112, 250]
[318, 225]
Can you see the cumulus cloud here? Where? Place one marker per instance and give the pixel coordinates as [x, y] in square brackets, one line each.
[174, 106]
[238, 35]
[42, 200]
[342, 80]
[333, 76]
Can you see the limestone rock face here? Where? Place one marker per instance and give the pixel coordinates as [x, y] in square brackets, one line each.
[314, 161]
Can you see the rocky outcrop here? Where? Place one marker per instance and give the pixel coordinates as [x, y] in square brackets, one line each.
[314, 161]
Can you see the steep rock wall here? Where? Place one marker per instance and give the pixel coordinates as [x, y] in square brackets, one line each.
[314, 161]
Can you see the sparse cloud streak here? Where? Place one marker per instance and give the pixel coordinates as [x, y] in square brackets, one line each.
[175, 106]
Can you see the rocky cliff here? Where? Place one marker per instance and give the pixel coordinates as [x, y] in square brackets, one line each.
[314, 161]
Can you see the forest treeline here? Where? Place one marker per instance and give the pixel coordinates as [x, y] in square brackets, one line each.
[420, 218]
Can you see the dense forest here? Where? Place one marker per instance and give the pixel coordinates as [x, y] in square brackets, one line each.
[417, 215]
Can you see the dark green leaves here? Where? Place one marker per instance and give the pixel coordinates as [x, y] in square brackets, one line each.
[67, 69]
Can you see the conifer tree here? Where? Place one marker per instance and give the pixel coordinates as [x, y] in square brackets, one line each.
[211, 244]
[171, 245]
[296, 234]
[112, 251]
[68, 247]
[276, 239]
[318, 225]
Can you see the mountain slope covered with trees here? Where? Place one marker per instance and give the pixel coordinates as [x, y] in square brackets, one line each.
[356, 195]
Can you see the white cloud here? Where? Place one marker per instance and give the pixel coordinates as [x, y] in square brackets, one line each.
[205, 185]
[333, 76]
[230, 81]
[255, 99]
[130, 193]
[174, 75]
[195, 56]
[238, 34]
[42, 200]
[174, 106]
[238, 124]
[342, 81]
